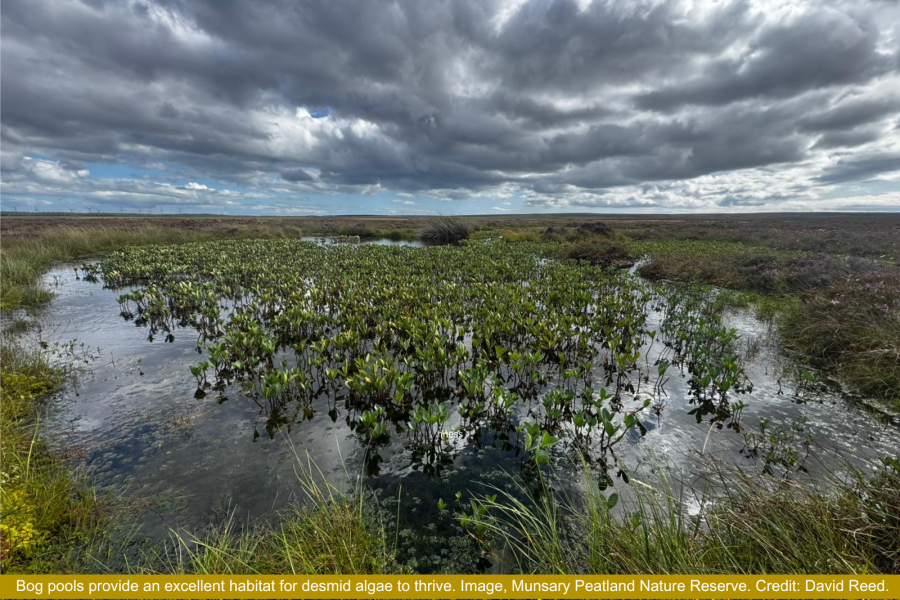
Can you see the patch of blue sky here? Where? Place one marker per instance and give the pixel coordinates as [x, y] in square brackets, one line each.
[864, 188]
[125, 171]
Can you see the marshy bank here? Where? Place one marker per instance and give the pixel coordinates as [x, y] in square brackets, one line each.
[32, 245]
[840, 312]
[476, 341]
[831, 285]
[46, 515]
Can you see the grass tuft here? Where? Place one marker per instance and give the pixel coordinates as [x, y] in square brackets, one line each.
[758, 526]
[852, 328]
[446, 230]
[327, 532]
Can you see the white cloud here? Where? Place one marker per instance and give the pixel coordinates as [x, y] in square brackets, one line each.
[52, 172]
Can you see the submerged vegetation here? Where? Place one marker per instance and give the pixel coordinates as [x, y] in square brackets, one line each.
[329, 533]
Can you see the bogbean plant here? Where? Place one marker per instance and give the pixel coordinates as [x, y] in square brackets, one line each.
[778, 448]
[419, 342]
[699, 344]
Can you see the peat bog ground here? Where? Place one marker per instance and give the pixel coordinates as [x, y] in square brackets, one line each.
[543, 394]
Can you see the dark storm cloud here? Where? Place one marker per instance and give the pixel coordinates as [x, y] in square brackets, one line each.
[556, 45]
[821, 50]
[549, 97]
[862, 169]
[296, 175]
[528, 112]
[848, 139]
[851, 113]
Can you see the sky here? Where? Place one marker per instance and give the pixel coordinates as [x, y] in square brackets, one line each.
[449, 107]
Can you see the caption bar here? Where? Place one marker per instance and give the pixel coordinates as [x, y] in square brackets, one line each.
[449, 586]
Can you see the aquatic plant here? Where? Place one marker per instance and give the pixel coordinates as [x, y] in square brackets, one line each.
[563, 357]
[786, 449]
[485, 337]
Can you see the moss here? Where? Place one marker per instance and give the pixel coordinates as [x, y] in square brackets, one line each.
[44, 515]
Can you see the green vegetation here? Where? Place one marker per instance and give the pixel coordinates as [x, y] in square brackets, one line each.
[329, 533]
[522, 235]
[756, 526]
[381, 333]
[852, 328]
[606, 252]
[841, 312]
[51, 522]
[753, 268]
[446, 230]
[44, 515]
[591, 242]
[24, 261]
[724, 264]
